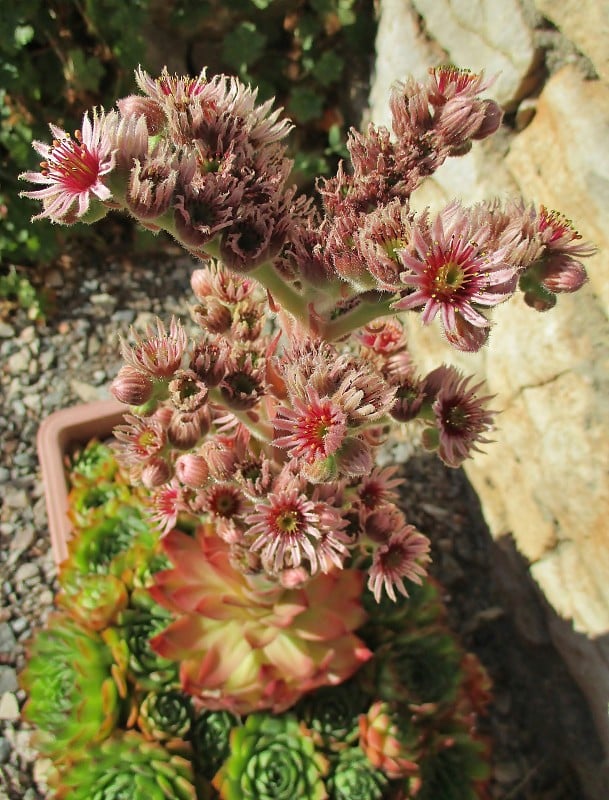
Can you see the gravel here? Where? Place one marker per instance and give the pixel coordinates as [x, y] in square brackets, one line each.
[69, 358]
[544, 747]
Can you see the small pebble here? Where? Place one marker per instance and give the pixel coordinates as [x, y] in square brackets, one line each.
[7, 637]
[9, 707]
[8, 679]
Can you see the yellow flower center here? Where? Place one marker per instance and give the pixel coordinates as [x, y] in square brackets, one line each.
[449, 278]
[288, 521]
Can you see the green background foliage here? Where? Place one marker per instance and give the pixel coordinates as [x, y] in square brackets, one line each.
[60, 57]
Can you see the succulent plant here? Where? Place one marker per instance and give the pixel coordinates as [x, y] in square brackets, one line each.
[73, 698]
[423, 607]
[389, 740]
[130, 638]
[165, 715]
[243, 648]
[353, 777]
[90, 499]
[96, 600]
[271, 759]
[416, 667]
[100, 545]
[96, 462]
[454, 766]
[126, 766]
[210, 740]
[332, 713]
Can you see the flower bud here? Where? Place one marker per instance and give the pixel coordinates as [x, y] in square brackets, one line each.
[155, 473]
[493, 115]
[132, 387]
[192, 470]
[136, 106]
[185, 430]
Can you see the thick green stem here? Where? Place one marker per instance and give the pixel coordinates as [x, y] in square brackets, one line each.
[259, 428]
[286, 297]
[356, 318]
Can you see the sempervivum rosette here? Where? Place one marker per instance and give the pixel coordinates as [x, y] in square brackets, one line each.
[417, 667]
[389, 740]
[126, 766]
[165, 715]
[101, 546]
[271, 759]
[244, 649]
[331, 714]
[454, 766]
[210, 736]
[129, 640]
[353, 777]
[73, 698]
[93, 464]
[95, 600]
[423, 607]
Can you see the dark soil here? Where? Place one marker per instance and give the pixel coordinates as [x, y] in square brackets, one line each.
[544, 744]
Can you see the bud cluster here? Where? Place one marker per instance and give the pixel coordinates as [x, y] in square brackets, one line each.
[267, 422]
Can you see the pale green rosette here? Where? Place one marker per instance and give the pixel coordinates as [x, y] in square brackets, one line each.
[210, 738]
[272, 759]
[353, 777]
[165, 716]
[126, 767]
[73, 698]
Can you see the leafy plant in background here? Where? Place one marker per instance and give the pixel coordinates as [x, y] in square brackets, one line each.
[58, 56]
[16, 291]
[290, 568]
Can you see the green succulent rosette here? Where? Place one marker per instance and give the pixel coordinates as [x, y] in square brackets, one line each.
[332, 714]
[126, 766]
[422, 608]
[210, 739]
[73, 697]
[96, 601]
[416, 667]
[129, 641]
[95, 463]
[106, 546]
[165, 715]
[271, 758]
[90, 503]
[353, 777]
[454, 766]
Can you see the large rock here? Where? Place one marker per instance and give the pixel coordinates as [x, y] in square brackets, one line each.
[546, 479]
[586, 24]
[489, 35]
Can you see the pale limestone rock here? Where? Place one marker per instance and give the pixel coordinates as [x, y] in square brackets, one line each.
[489, 35]
[562, 160]
[476, 176]
[405, 52]
[586, 24]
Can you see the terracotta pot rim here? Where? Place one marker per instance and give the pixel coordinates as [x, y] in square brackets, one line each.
[57, 434]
